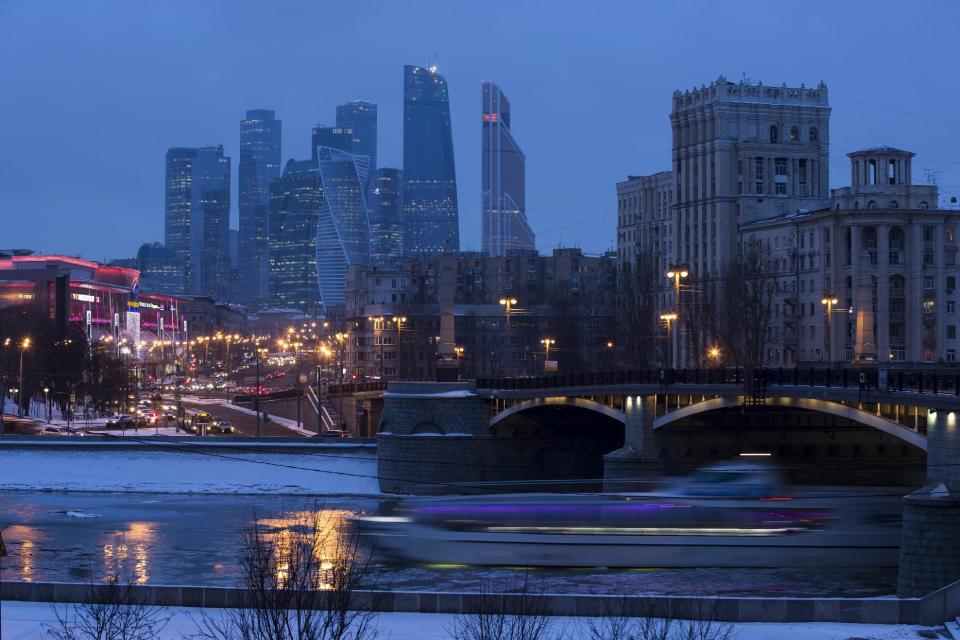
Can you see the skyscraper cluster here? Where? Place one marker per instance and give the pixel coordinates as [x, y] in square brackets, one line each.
[303, 226]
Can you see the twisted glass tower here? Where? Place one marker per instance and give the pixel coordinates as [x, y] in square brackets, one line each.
[431, 221]
[503, 189]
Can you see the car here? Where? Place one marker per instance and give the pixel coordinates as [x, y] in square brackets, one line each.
[52, 431]
[222, 426]
[333, 433]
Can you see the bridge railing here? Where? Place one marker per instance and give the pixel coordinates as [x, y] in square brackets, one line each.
[935, 382]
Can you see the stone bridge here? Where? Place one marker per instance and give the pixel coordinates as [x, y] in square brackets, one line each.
[620, 429]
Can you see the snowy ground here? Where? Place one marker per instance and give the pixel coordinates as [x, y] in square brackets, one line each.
[352, 472]
[27, 620]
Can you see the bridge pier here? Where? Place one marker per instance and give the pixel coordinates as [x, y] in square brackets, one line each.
[930, 544]
[632, 466]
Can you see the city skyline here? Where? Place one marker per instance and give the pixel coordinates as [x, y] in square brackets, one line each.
[137, 109]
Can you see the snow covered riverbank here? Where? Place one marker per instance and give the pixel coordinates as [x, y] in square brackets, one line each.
[351, 472]
[23, 620]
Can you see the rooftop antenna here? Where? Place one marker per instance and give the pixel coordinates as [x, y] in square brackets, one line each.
[432, 65]
[931, 176]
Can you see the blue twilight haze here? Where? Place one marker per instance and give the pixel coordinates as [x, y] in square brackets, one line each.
[106, 87]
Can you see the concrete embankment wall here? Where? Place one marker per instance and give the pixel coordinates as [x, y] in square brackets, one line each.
[148, 442]
[929, 610]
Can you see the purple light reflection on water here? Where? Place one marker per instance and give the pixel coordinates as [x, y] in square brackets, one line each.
[549, 508]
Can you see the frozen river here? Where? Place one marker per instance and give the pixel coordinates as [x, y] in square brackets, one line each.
[196, 539]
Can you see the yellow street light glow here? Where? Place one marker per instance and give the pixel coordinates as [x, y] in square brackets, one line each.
[668, 316]
[506, 301]
[830, 301]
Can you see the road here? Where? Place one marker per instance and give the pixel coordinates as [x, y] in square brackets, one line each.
[246, 423]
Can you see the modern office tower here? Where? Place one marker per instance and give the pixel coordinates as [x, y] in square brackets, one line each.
[296, 200]
[259, 166]
[386, 218]
[177, 204]
[318, 228]
[197, 211]
[505, 227]
[208, 268]
[431, 222]
[343, 230]
[334, 137]
[361, 118]
[160, 270]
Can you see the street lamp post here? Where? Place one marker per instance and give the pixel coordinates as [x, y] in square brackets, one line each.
[3, 383]
[669, 318]
[46, 402]
[829, 300]
[675, 274]
[508, 304]
[547, 343]
[24, 345]
[399, 320]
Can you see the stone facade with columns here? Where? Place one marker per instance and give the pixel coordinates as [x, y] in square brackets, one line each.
[887, 257]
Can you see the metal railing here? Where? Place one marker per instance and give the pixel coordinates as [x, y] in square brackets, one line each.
[920, 381]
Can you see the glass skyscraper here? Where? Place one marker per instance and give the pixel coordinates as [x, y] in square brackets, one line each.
[318, 228]
[334, 137]
[296, 200]
[343, 230]
[197, 216]
[386, 218]
[160, 270]
[177, 201]
[208, 268]
[431, 222]
[361, 118]
[259, 166]
[503, 190]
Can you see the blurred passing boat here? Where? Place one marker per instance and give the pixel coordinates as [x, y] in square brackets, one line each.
[731, 515]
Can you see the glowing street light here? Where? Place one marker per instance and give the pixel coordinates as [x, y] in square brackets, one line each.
[24, 345]
[669, 318]
[508, 303]
[829, 301]
[547, 343]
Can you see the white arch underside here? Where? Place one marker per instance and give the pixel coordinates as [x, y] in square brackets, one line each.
[823, 406]
[563, 401]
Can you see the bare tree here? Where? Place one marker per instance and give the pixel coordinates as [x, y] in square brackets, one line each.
[114, 611]
[513, 610]
[659, 625]
[744, 314]
[298, 583]
[635, 345]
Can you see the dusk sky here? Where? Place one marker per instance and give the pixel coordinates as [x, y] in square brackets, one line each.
[94, 92]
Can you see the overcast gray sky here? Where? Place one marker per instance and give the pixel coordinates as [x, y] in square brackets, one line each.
[94, 92]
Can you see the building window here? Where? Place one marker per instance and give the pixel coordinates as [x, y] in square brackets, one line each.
[813, 134]
[740, 177]
[951, 306]
[758, 174]
[794, 134]
[774, 134]
[951, 283]
[893, 204]
[802, 178]
[872, 204]
[780, 176]
[892, 171]
[952, 331]
[924, 204]
[928, 282]
[951, 355]
[872, 172]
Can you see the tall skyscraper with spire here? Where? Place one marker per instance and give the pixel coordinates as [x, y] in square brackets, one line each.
[431, 220]
[503, 189]
[259, 167]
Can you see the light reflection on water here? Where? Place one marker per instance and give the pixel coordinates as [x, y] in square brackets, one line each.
[127, 553]
[22, 541]
[320, 532]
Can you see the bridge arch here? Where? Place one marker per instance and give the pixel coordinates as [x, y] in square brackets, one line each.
[563, 401]
[889, 427]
